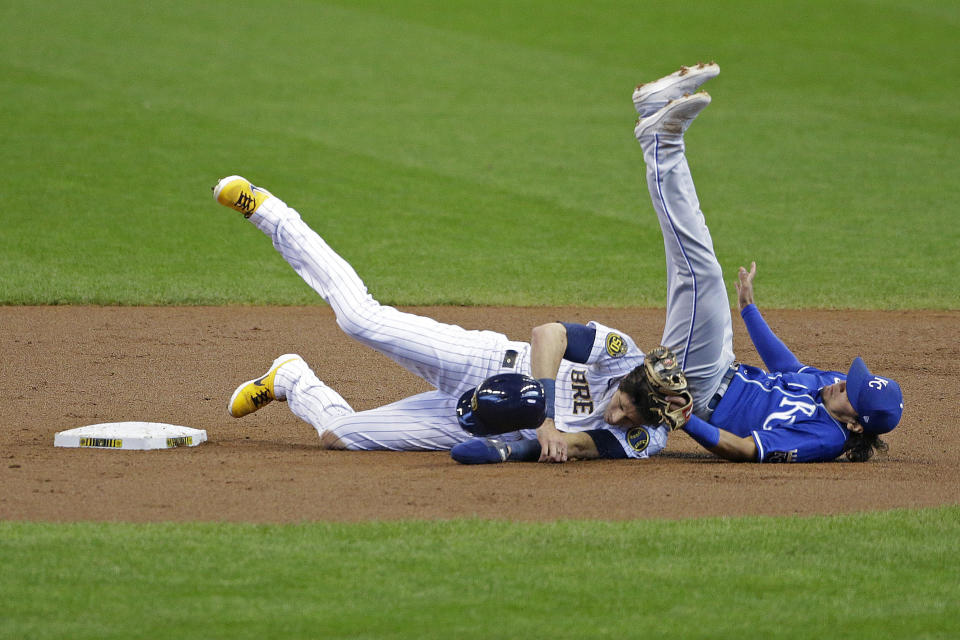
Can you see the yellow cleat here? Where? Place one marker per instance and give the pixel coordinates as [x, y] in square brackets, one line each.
[237, 193]
[257, 393]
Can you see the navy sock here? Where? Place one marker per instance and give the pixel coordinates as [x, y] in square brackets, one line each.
[524, 451]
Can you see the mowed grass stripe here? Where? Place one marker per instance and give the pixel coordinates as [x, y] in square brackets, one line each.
[433, 140]
[879, 575]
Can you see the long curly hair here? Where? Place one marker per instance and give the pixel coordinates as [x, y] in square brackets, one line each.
[861, 447]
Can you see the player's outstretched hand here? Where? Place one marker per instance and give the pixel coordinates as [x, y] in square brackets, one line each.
[745, 285]
[553, 448]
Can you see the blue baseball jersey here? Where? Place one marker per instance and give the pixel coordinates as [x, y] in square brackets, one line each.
[784, 414]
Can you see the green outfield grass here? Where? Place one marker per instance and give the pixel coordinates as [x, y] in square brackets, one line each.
[889, 575]
[478, 153]
[475, 153]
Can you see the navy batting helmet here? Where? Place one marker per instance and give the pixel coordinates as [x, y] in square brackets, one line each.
[502, 403]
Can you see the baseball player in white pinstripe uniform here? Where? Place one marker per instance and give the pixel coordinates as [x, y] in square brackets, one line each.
[451, 358]
[585, 368]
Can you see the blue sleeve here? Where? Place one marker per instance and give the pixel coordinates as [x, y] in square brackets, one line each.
[775, 354]
[580, 339]
[706, 434]
[608, 447]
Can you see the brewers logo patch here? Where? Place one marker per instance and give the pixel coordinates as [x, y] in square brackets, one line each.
[616, 345]
[638, 439]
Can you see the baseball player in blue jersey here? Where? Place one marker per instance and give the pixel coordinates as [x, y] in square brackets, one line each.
[793, 413]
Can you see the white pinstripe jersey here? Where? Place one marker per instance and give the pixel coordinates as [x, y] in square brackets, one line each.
[584, 389]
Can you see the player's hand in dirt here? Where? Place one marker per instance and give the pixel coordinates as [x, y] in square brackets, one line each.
[553, 448]
[745, 285]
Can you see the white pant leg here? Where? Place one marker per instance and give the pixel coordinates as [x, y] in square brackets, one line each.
[698, 323]
[449, 357]
[308, 397]
[424, 422]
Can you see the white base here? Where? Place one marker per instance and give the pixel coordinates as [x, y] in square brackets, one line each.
[130, 435]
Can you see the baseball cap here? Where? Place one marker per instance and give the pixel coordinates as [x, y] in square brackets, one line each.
[877, 400]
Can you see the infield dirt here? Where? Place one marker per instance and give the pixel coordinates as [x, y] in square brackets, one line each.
[66, 367]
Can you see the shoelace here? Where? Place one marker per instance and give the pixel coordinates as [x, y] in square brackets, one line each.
[244, 201]
[260, 398]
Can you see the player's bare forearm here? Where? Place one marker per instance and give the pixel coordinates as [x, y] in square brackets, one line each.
[735, 448]
[581, 446]
[578, 445]
[547, 345]
[553, 446]
[721, 442]
[548, 342]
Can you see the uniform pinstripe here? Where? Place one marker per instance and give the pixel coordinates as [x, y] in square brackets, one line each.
[451, 358]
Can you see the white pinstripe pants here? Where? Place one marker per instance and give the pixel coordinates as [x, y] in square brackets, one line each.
[449, 357]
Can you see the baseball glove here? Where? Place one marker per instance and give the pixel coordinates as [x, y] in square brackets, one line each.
[663, 377]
